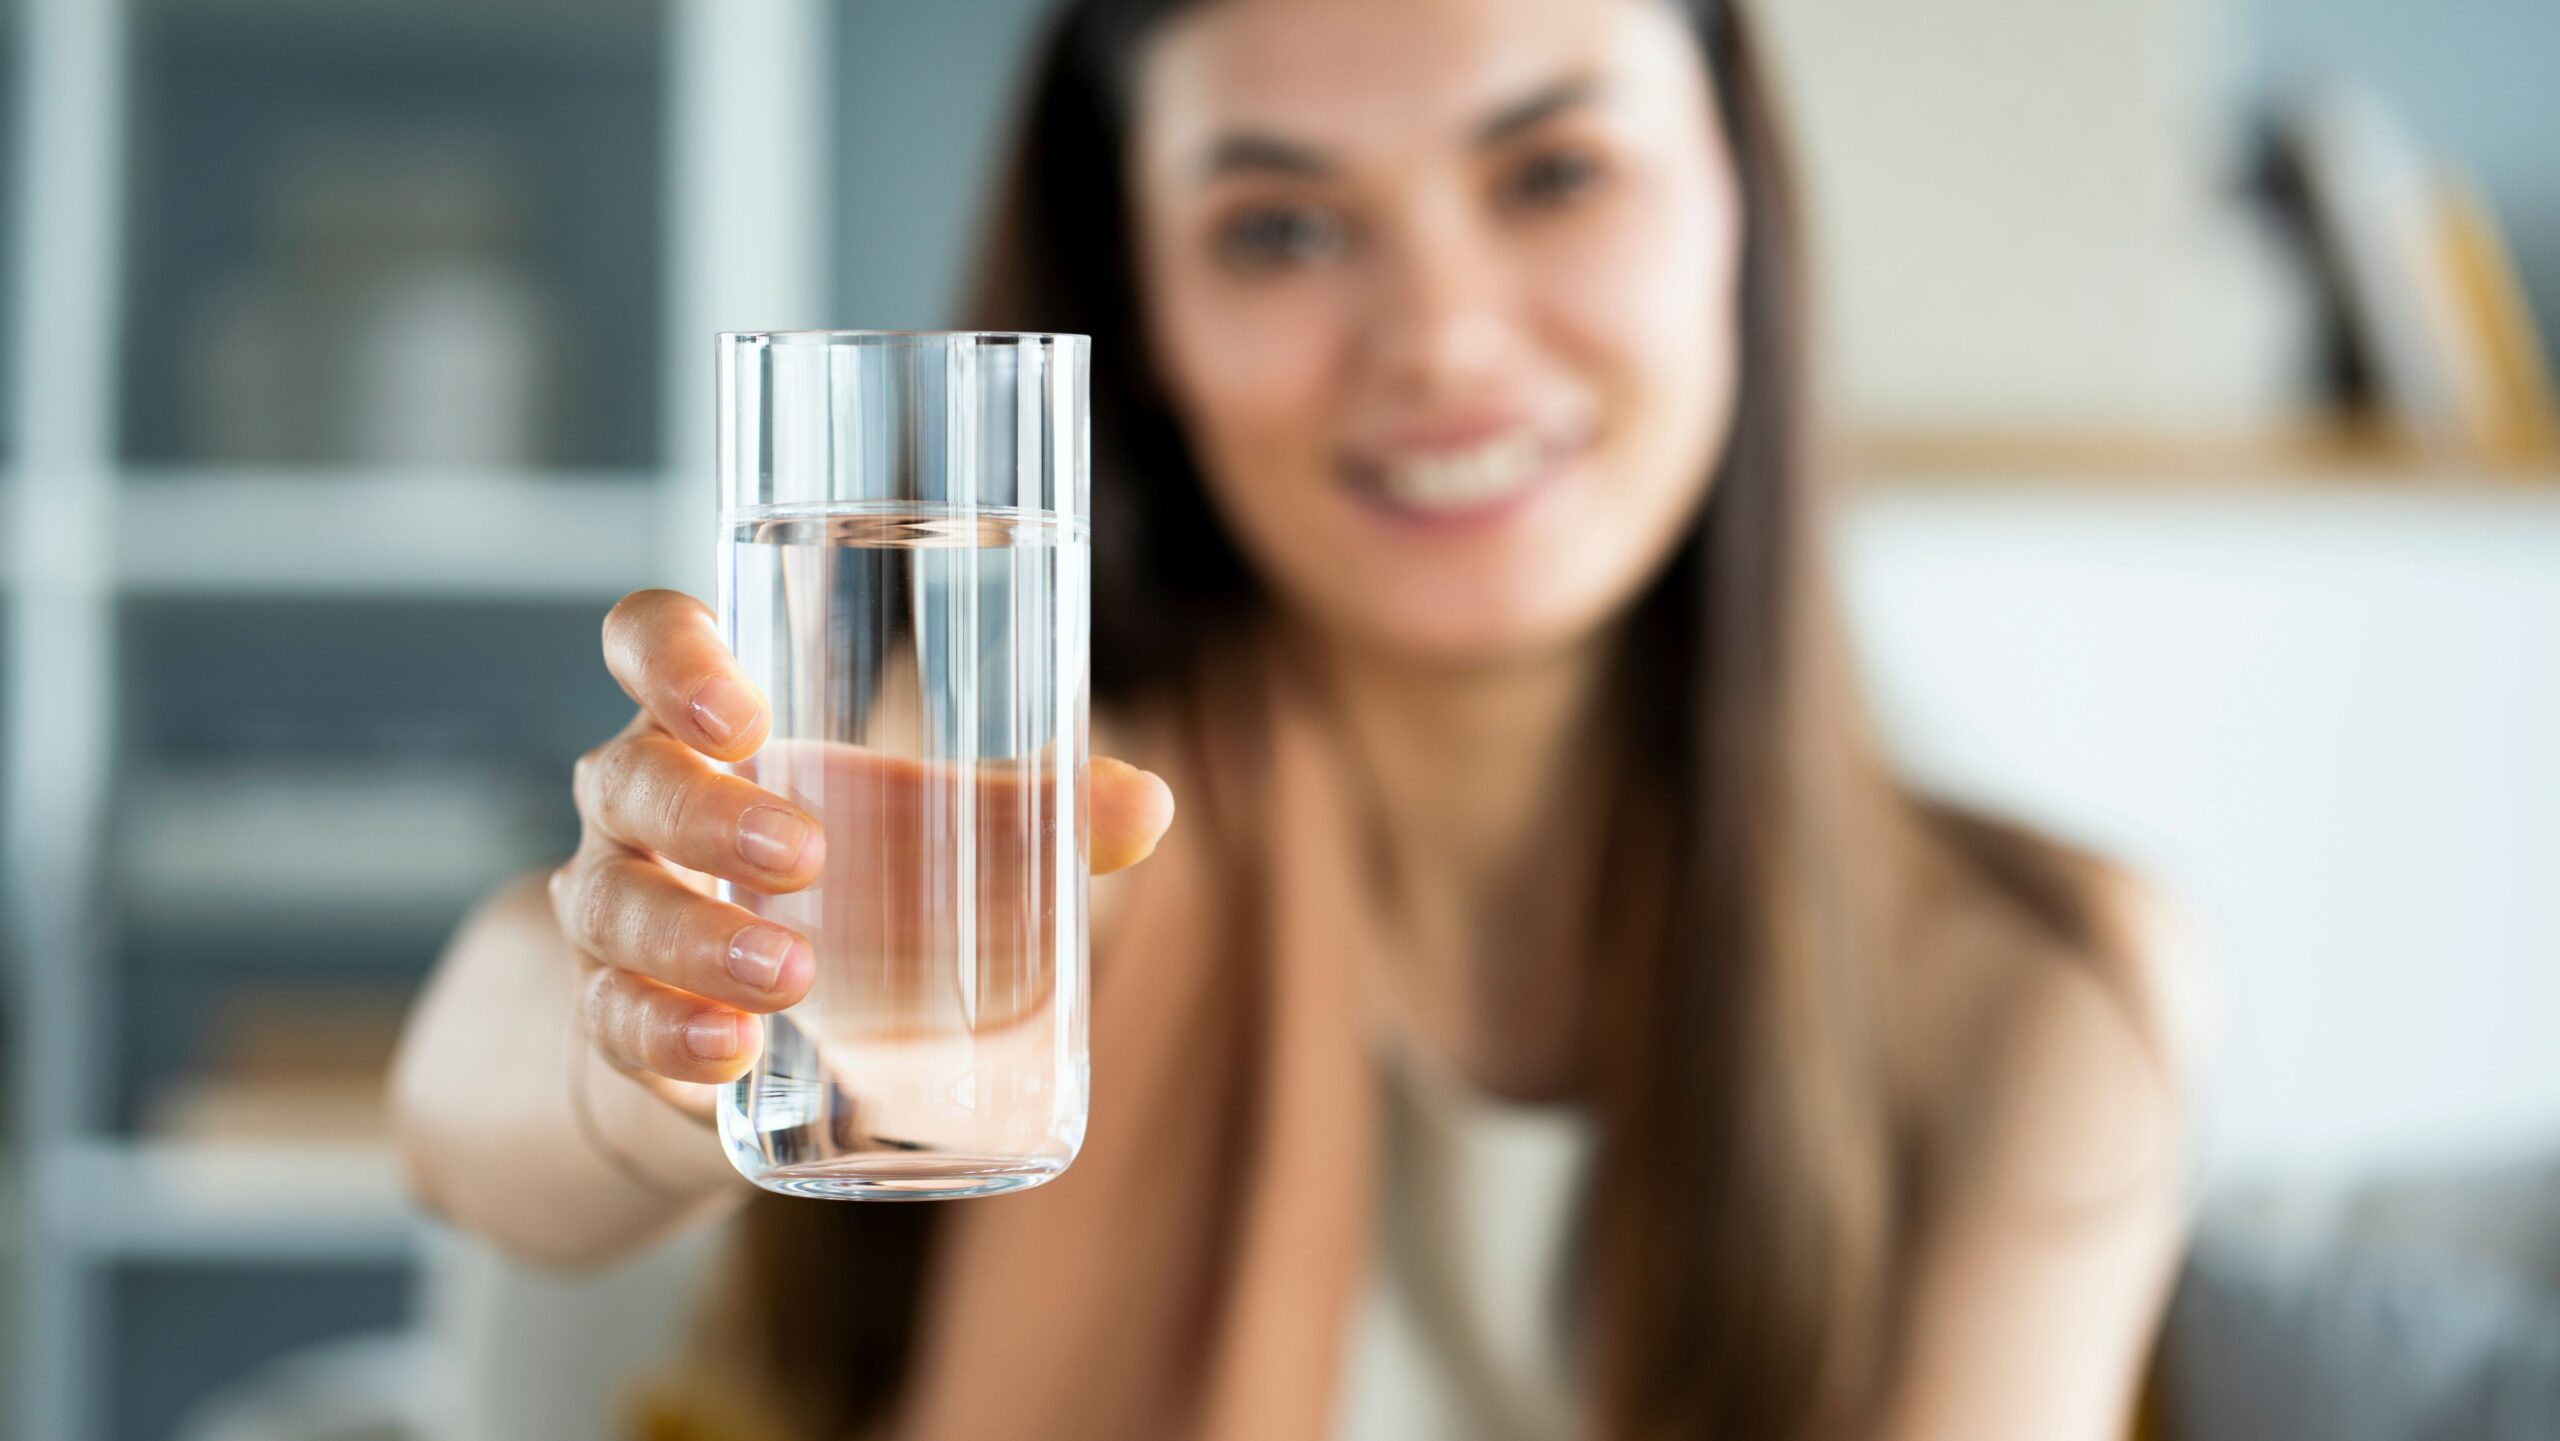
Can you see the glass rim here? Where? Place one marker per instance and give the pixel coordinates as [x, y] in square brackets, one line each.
[903, 338]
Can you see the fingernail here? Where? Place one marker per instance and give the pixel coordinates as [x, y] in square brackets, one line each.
[723, 708]
[756, 957]
[771, 837]
[712, 1037]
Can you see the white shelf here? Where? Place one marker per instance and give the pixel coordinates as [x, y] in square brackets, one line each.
[353, 533]
[227, 849]
[225, 1203]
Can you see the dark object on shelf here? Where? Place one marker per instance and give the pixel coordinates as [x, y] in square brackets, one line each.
[2430, 332]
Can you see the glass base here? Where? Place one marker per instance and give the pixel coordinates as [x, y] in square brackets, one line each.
[905, 1176]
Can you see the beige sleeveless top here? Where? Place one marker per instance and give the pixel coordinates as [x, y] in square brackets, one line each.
[1459, 1332]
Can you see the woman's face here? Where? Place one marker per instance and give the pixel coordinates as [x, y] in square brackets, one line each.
[1444, 291]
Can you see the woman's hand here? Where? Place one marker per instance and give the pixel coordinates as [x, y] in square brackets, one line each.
[674, 974]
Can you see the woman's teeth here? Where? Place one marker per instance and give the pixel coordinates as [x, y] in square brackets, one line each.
[1463, 479]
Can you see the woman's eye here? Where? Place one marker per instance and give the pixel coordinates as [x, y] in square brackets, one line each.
[1280, 237]
[1551, 179]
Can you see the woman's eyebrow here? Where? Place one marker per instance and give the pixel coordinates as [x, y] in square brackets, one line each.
[1265, 153]
[1537, 105]
[1253, 151]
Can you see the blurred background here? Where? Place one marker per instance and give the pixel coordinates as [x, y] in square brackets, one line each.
[2190, 365]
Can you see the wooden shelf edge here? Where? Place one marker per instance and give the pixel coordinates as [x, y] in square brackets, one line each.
[2315, 456]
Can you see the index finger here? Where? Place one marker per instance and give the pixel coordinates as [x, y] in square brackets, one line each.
[664, 648]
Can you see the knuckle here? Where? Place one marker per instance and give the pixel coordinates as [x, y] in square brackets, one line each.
[684, 805]
[639, 923]
[612, 769]
[593, 778]
[657, 934]
[624, 1025]
[596, 901]
[563, 889]
[646, 789]
[597, 1003]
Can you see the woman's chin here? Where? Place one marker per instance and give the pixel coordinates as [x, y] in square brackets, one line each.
[1485, 634]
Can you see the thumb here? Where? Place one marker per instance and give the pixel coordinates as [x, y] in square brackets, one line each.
[1131, 810]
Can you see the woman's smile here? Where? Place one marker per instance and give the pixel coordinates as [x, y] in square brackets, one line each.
[1467, 478]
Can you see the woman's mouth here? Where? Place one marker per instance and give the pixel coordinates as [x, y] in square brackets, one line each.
[1480, 480]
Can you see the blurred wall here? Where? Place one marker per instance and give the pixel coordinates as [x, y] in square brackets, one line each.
[927, 92]
[2312, 718]
[2021, 216]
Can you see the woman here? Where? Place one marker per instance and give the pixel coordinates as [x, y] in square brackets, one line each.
[1459, 570]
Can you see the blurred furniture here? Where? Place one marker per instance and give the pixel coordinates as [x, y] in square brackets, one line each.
[2420, 1308]
[358, 357]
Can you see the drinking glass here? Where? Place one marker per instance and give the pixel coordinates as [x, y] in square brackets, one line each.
[904, 571]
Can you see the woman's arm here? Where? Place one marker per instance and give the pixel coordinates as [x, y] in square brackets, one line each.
[2042, 1281]
[486, 1103]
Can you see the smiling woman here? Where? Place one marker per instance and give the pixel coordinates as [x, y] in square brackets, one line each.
[1458, 564]
[1487, 263]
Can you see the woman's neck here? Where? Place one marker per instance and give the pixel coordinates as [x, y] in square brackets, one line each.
[1485, 792]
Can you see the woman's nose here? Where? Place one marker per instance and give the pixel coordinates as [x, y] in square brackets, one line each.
[1442, 319]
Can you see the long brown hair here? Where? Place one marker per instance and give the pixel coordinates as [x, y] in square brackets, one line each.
[1747, 1227]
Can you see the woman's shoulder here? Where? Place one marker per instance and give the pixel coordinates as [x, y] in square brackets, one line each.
[2011, 928]
[2056, 999]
